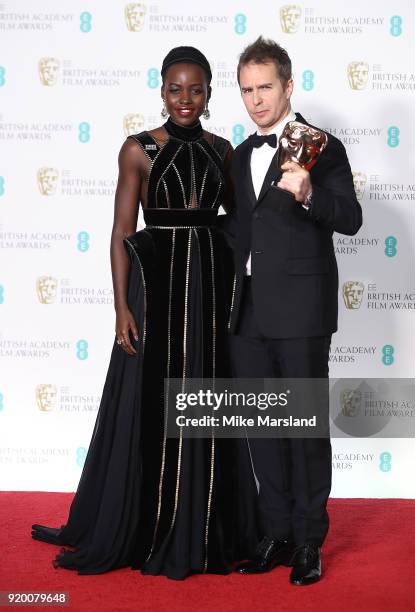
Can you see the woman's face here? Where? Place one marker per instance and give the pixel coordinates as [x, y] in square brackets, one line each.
[185, 91]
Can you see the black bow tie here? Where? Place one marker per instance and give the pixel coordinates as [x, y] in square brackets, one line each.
[258, 141]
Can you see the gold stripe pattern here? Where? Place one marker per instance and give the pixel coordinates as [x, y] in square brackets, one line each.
[179, 458]
[201, 147]
[232, 301]
[181, 185]
[212, 452]
[145, 291]
[167, 193]
[171, 162]
[176, 226]
[163, 456]
[193, 191]
[203, 186]
[217, 194]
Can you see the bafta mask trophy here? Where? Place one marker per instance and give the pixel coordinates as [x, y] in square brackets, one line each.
[300, 143]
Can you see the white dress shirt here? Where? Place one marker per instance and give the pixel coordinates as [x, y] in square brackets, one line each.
[260, 160]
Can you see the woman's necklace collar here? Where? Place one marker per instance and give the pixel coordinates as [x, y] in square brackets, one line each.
[189, 134]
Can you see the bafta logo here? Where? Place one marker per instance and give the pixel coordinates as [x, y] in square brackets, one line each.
[46, 397]
[48, 70]
[353, 294]
[134, 16]
[47, 180]
[358, 74]
[359, 181]
[350, 401]
[133, 123]
[290, 16]
[46, 287]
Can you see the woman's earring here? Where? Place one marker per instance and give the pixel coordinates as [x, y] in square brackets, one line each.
[164, 112]
[206, 112]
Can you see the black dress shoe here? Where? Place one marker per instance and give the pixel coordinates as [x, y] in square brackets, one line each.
[51, 535]
[306, 562]
[268, 555]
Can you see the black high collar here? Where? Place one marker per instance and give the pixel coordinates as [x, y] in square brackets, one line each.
[188, 134]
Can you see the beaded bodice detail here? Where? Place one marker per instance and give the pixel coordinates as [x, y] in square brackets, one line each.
[184, 174]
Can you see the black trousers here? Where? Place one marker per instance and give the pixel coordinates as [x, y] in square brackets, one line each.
[294, 475]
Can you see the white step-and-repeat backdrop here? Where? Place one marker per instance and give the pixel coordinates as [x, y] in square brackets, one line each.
[76, 77]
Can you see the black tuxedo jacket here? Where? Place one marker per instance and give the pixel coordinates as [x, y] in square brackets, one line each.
[294, 269]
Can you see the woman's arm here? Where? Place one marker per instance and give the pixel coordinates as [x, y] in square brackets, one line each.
[127, 198]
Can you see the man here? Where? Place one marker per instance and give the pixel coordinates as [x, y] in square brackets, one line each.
[285, 302]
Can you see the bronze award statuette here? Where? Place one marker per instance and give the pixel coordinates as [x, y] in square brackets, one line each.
[300, 143]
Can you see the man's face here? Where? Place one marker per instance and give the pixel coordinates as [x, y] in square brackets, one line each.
[266, 99]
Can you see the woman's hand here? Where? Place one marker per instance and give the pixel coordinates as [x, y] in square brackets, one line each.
[124, 324]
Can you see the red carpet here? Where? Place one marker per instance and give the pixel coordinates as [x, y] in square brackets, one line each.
[369, 564]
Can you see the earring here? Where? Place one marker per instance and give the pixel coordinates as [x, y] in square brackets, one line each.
[164, 112]
[206, 113]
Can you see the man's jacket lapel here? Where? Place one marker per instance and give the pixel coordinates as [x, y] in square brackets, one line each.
[273, 174]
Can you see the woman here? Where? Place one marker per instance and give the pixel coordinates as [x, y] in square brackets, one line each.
[161, 504]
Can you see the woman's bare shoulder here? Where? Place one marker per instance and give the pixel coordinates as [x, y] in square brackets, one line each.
[132, 153]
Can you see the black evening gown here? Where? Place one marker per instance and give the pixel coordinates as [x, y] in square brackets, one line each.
[164, 505]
